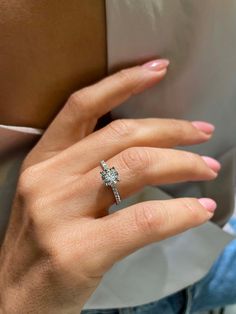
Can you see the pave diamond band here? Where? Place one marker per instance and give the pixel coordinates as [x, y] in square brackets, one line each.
[110, 177]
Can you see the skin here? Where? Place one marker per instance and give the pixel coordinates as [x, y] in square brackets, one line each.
[60, 210]
[45, 56]
[59, 214]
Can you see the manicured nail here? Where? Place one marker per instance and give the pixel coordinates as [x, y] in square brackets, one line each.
[157, 65]
[212, 163]
[203, 126]
[208, 203]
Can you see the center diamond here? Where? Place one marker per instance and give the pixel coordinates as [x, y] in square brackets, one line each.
[110, 176]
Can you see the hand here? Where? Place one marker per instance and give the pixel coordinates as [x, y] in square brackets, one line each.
[61, 240]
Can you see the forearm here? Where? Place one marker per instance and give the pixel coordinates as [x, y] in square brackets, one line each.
[59, 78]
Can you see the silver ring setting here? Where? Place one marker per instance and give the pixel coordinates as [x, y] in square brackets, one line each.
[110, 177]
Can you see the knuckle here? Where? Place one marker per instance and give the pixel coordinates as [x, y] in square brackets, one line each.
[151, 217]
[191, 205]
[62, 266]
[37, 211]
[165, 216]
[125, 76]
[63, 253]
[136, 158]
[178, 128]
[197, 168]
[26, 181]
[28, 196]
[192, 162]
[122, 127]
[59, 251]
[77, 103]
[146, 219]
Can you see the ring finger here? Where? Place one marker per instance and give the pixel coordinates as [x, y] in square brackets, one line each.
[140, 166]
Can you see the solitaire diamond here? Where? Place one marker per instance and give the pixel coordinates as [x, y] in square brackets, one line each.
[110, 176]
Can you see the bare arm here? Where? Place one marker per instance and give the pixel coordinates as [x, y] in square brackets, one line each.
[48, 50]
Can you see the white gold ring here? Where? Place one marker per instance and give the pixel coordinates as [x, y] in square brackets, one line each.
[110, 177]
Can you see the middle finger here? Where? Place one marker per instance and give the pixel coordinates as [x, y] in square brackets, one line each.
[122, 134]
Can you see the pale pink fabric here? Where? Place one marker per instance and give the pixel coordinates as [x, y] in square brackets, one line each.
[13, 137]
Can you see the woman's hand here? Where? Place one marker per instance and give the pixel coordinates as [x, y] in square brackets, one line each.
[61, 240]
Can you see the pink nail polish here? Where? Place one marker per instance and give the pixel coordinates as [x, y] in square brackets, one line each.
[212, 163]
[203, 126]
[208, 203]
[157, 65]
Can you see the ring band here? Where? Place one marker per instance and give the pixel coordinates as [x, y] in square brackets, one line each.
[110, 178]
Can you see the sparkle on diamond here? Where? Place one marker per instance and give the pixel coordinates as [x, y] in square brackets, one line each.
[110, 176]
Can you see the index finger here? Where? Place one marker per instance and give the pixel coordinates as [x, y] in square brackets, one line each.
[80, 114]
[100, 98]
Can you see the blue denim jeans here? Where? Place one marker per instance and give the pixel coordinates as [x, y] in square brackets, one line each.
[216, 289]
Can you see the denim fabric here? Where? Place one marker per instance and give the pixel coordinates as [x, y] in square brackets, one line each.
[171, 305]
[216, 289]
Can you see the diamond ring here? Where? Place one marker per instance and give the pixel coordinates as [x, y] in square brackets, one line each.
[110, 177]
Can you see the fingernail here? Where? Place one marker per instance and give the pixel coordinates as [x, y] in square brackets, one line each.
[203, 126]
[157, 65]
[212, 163]
[208, 203]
